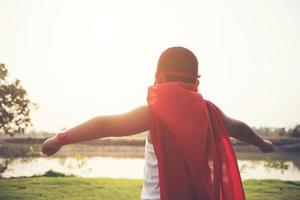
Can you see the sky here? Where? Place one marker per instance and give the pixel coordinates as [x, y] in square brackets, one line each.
[78, 59]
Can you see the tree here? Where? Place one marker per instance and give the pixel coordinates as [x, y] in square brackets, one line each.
[296, 131]
[281, 132]
[15, 106]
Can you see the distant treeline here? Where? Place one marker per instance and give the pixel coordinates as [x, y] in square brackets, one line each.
[264, 131]
[291, 132]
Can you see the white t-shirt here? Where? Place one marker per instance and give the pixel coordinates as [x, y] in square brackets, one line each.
[150, 189]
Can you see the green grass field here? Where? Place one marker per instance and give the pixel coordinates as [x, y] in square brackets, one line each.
[71, 188]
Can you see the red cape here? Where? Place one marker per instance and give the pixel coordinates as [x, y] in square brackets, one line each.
[194, 153]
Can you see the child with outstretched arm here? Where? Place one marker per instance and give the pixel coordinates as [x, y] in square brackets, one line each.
[189, 135]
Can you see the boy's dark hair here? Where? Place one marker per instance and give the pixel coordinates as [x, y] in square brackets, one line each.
[178, 59]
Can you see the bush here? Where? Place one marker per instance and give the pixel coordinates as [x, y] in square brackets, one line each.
[52, 173]
[4, 166]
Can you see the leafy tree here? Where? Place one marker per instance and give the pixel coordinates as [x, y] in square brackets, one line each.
[15, 106]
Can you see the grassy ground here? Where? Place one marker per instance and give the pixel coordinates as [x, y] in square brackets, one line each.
[71, 188]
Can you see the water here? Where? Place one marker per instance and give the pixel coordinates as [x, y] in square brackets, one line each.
[85, 167]
[132, 168]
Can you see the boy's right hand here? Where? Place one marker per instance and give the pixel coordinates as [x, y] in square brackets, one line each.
[51, 146]
[266, 146]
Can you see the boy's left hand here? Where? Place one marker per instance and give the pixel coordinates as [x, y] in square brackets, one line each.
[51, 146]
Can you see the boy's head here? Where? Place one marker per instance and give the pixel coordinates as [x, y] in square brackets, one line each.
[177, 64]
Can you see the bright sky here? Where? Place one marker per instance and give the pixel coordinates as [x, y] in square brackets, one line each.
[83, 58]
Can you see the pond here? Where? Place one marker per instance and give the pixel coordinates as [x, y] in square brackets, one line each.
[132, 168]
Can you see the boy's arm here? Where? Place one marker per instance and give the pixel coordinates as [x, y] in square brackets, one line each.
[133, 122]
[243, 132]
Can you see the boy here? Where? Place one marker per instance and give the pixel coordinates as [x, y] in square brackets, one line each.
[188, 153]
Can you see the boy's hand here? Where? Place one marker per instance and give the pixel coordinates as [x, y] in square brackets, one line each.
[266, 146]
[51, 146]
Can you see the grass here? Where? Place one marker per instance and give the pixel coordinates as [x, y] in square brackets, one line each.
[76, 188]
[69, 188]
[272, 190]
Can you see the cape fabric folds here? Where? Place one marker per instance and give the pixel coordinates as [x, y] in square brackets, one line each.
[195, 158]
